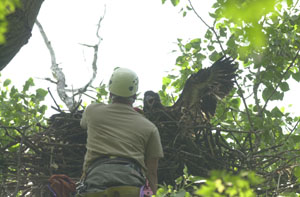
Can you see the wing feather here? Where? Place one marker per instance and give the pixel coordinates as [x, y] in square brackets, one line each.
[204, 88]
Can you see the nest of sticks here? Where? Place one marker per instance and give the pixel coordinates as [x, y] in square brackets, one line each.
[60, 149]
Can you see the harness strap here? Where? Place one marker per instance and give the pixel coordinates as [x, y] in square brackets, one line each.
[118, 191]
[117, 160]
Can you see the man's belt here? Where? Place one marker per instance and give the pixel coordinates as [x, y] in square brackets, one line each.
[118, 160]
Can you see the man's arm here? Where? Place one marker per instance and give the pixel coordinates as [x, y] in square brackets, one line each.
[152, 165]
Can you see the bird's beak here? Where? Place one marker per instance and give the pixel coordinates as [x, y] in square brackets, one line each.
[149, 100]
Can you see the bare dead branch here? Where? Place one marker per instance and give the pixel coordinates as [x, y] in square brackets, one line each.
[60, 82]
[56, 71]
[95, 58]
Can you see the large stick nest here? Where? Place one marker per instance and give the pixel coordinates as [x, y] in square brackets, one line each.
[60, 149]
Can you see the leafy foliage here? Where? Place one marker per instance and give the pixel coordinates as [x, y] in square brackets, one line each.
[21, 114]
[220, 183]
[6, 7]
[264, 136]
[266, 44]
[21, 107]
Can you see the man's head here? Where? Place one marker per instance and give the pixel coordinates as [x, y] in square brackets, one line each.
[123, 84]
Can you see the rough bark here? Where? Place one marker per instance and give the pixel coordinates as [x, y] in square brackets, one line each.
[20, 25]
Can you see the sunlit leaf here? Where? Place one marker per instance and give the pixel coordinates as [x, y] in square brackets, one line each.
[175, 2]
[188, 46]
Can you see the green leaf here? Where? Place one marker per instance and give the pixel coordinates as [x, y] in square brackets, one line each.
[277, 96]
[289, 2]
[40, 94]
[196, 43]
[276, 112]
[6, 82]
[296, 172]
[284, 86]
[296, 76]
[175, 2]
[214, 56]
[166, 81]
[208, 34]
[181, 193]
[163, 1]
[43, 109]
[188, 46]
[28, 83]
[223, 32]
[267, 93]
[211, 48]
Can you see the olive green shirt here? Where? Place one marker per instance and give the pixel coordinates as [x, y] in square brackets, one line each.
[118, 130]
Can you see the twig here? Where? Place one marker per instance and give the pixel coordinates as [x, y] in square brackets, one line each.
[248, 115]
[90, 96]
[255, 90]
[209, 27]
[58, 108]
[19, 166]
[218, 129]
[63, 145]
[286, 71]
[95, 58]
[76, 107]
[295, 5]
[245, 104]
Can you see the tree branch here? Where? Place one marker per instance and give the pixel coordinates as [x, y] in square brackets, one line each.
[95, 59]
[59, 75]
[209, 27]
[56, 71]
[19, 166]
[248, 115]
[286, 71]
[54, 100]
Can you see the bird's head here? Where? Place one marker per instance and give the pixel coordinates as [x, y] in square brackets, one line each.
[151, 100]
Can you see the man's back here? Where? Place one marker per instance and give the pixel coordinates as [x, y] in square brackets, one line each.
[118, 130]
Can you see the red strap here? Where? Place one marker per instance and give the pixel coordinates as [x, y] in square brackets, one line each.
[62, 185]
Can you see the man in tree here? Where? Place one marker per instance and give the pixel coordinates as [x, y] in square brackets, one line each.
[122, 145]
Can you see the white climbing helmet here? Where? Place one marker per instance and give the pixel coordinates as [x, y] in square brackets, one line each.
[123, 82]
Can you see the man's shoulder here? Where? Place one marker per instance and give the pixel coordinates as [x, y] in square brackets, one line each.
[92, 105]
[147, 123]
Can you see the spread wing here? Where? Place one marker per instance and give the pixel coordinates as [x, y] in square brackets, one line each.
[200, 94]
[203, 89]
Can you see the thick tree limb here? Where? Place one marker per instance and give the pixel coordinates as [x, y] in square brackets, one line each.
[56, 71]
[20, 25]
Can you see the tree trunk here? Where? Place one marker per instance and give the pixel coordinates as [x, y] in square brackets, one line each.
[20, 25]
